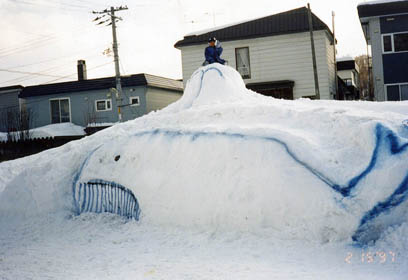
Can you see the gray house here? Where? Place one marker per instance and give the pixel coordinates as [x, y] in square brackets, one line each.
[385, 26]
[95, 101]
[9, 102]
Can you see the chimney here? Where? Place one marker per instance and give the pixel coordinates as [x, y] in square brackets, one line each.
[81, 70]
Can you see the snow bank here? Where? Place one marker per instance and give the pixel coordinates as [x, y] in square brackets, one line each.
[52, 130]
[59, 129]
[223, 158]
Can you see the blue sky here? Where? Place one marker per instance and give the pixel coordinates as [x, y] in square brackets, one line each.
[47, 37]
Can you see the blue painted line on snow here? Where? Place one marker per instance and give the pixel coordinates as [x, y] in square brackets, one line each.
[399, 196]
[382, 133]
[202, 73]
[385, 137]
[78, 175]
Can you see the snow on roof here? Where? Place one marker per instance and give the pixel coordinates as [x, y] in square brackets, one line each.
[52, 130]
[207, 30]
[58, 129]
[344, 58]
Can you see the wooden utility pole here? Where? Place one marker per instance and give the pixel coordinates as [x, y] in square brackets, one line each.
[113, 19]
[337, 95]
[316, 78]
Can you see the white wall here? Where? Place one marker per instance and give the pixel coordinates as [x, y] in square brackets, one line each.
[349, 74]
[376, 52]
[157, 99]
[275, 58]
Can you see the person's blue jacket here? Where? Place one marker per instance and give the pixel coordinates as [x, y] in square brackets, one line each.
[212, 54]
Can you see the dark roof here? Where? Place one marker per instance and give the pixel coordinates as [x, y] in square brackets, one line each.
[382, 9]
[102, 83]
[346, 65]
[294, 21]
[11, 88]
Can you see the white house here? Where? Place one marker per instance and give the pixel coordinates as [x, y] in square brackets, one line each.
[273, 54]
[349, 72]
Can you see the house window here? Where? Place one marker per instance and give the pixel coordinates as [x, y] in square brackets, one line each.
[348, 82]
[397, 42]
[134, 101]
[404, 92]
[397, 92]
[243, 63]
[103, 105]
[60, 110]
[401, 42]
[387, 43]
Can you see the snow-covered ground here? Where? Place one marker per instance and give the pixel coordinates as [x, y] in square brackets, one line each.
[231, 185]
[52, 130]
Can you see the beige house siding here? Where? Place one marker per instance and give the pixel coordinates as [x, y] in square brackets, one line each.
[275, 58]
[157, 99]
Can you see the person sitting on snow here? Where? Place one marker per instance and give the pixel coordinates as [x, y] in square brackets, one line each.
[213, 52]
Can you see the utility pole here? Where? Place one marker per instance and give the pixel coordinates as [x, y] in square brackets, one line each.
[337, 95]
[316, 78]
[113, 19]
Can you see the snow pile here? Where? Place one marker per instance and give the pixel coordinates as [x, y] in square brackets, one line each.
[225, 159]
[58, 129]
[52, 130]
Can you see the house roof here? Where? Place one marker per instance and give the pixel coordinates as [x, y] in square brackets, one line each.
[346, 65]
[293, 21]
[102, 83]
[382, 8]
[2, 89]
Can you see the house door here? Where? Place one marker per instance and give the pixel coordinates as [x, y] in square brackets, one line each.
[60, 110]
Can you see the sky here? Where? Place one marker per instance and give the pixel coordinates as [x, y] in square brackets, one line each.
[43, 39]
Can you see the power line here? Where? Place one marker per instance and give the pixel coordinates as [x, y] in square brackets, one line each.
[93, 4]
[29, 47]
[76, 73]
[29, 73]
[36, 43]
[30, 77]
[75, 8]
[4, 49]
[47, 98]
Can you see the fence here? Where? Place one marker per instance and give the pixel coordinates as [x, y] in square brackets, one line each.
[100, 196]
[16, 149]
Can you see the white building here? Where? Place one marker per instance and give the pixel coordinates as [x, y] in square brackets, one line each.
[385, 26]
[273, 54]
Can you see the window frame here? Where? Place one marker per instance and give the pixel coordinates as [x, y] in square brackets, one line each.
[249, 61]
[397, 84]
[106, 107]
[134, 97]
[69, 105]
[392, 42]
